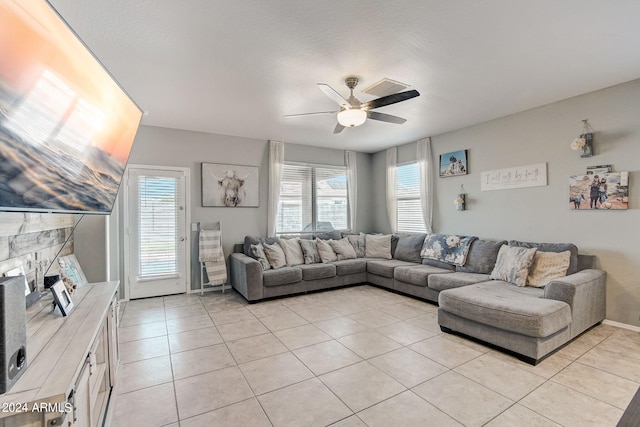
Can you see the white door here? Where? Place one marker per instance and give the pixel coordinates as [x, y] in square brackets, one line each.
[156, 238]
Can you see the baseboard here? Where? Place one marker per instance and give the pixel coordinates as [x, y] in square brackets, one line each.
[621, 325]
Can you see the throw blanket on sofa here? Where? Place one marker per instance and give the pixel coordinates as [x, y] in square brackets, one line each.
[211, 254]
[448, 248]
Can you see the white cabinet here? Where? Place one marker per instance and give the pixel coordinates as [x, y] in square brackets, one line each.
[72, 362]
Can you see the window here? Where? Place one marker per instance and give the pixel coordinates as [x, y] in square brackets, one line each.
[158, 234]
[312, 198]
[409, 211]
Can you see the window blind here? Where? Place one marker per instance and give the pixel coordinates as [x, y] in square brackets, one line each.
[312, 198]
[409, 209]
[157, 227]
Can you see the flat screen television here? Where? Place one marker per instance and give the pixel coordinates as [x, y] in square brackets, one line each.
[66, 126]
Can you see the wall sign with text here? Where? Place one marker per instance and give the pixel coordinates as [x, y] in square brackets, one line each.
[516, 177]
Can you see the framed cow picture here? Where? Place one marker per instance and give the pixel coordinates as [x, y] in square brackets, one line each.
[230, 186]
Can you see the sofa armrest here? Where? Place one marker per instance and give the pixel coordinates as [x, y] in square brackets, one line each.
[585, 292]
[246, 276]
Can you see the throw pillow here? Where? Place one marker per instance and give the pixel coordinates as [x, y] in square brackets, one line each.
[343, 248]
[251, 240]
[358, 243]
[257, 252]
[292, 251]
[310, 251]
[553, 247]
[275, 255]
[326, 251]
[548, 266]
[513, 264]
[378, 246]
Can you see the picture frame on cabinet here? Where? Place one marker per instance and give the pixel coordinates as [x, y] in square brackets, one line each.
[62, 298]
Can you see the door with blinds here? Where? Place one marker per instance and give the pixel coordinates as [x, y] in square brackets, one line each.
[156, 239]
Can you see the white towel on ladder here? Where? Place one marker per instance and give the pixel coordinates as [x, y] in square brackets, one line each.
[212, 255]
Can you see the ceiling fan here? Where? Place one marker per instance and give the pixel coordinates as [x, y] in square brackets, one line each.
[353, 113]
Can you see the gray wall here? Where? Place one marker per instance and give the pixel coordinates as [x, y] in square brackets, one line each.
[171, 147]
[542, 213]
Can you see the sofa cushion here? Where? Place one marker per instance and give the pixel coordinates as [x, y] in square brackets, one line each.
[442, 282]
[275, 255]
[385, 267]
[343, 248]
[502, 305]
[251, 240]
[350, 266]
[553, 247]
[326, 251]
[358, 243]
[378, 246]
[548, 266]
[281, 276]
[416, 274]
[409, 246]
[329, 235]
[482, 256]
[513, 264]
[292, 251]
[439, 264]
[309, 251]
[317, 271]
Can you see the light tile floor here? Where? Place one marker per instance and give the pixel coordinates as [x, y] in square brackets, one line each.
[359, 356]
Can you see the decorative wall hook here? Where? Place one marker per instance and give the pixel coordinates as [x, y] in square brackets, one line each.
[584, 143]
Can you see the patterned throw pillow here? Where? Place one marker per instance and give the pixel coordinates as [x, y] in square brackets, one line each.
[275, 255]
[449, 248]
[513, 264]
[257, 252]
[548, 266]
[358, 243]
[326, 251]
[343, 248]
[292, 251]
[310, 251]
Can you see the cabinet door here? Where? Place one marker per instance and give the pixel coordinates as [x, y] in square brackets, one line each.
[81, 416]
[112, 326]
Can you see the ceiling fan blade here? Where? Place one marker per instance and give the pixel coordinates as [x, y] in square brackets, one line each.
[374, 115]
[331, 93]
[390, 99]
[309, 114]
[339, 128]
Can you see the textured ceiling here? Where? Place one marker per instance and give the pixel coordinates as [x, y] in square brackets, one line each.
[236, 67]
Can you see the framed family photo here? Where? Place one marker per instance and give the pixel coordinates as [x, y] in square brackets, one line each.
[231, 186]
[62, 298]
[602, 191]
[453, 163]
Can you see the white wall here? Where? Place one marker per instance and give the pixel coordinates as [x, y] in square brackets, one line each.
[542, 213]
[172, 147]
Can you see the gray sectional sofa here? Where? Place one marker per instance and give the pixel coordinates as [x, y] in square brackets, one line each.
[529, 321]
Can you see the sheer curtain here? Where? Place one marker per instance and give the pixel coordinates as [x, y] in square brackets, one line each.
[425, 167]
[276, 163]
[352, 186]
[392, 203]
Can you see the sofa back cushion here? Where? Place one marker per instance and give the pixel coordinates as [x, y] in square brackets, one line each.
[553, 247]
[409, 246]
[482, 256]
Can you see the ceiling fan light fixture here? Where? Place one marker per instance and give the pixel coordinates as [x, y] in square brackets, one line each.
[352, 117]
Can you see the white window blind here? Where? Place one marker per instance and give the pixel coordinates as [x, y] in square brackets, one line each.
[312, 198]
[157, 227]
[410, 217]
